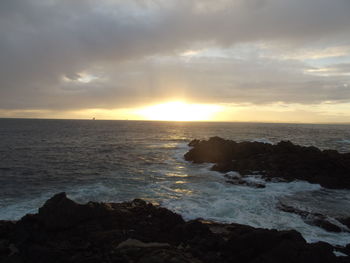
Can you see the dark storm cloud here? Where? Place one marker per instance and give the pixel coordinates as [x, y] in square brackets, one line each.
[46, 46]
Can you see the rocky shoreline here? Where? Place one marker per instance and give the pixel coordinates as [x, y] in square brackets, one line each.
[137, 231]
[283, 160]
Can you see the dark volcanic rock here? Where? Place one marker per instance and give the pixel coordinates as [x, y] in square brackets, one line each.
[345, 221]
[283, 160]
[245, 183]
[140, 232]
[314, 219]
[61, 212]
[193, 143]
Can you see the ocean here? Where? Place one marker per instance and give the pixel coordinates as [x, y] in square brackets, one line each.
[113, 161]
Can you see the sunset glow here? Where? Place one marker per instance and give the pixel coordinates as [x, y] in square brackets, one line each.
[179, 111]
[185, 64]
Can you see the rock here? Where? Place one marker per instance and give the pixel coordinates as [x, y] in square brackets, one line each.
[193, 143]
[344, 250]
[245, 183]
[136, 250]
[137, 243]
[140, 232]
[223, 167]
[263, 245]
[4, 247]
[61, 212]
[166, 255]
[345, 221]
[151, 255]
[326, 225]
[5, 228]
[311, 218]
[284, 160]
[215, 150]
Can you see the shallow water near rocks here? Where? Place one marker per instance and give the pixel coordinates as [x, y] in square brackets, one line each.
[113, 161]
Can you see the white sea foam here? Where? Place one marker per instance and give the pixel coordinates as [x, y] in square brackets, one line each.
[196, 192]
[222, 202]
[339, 254]
[20, 208]
[344, 141]
[207, 195]
[263, 140]
[121, 161]
[233, 175]
[93, 192]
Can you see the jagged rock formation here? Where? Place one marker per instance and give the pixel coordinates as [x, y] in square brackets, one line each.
[139, 232]
[317, 219]
[284, 160]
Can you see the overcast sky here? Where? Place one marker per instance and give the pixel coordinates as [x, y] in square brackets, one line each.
[67, 56]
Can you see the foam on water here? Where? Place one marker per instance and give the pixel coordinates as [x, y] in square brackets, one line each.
[344, 141]
[218, 201]
[263, 140]
[95, 192]
[19, 209]
[120, 161]
[196, 192]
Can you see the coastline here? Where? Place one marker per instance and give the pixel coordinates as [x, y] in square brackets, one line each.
[193, 191]
[137, 231]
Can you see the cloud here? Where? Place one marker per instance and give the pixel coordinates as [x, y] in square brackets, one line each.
[121, 45]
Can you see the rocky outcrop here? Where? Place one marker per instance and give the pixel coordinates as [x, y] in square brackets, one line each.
[345, 221]
[235, 180]
[315, 219]
[139, 232]
[284, 160]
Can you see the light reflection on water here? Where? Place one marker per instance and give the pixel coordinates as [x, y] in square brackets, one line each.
[183, 191]
[117, 161]
[180, 182]
[176, 175]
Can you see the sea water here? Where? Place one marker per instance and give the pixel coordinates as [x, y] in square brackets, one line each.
[114, 161]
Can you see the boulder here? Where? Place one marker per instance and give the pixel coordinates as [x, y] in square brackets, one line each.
[345, 221]
[314, 219]
[60, 212]
[140, 232]
[284, 160]
[242, 182]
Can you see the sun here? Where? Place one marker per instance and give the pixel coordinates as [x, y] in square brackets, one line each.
[179, 111]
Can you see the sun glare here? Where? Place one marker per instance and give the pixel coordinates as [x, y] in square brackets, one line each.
[179, 111]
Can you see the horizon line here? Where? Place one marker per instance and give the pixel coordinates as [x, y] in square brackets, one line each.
[201, 121]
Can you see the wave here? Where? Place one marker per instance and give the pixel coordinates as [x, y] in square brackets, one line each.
[221, 202]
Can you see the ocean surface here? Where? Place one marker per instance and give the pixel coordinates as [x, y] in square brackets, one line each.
[115, 161]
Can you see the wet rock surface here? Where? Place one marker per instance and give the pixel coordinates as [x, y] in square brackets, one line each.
[284, 160]
[242, 182]
[345, 221]
[64, 231]
[316, 219]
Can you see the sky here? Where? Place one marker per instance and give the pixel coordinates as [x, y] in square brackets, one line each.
[238, 60]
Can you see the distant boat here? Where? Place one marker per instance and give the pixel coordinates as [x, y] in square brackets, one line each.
[93, 118]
